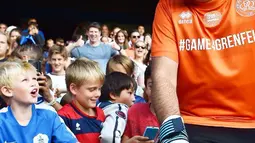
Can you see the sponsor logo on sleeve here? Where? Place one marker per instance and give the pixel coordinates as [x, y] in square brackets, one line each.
[245, 8]
[121, 114]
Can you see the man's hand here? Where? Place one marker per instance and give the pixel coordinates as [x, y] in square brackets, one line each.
[115, 46]
[33, 30]
[80, 42]
[139, 139]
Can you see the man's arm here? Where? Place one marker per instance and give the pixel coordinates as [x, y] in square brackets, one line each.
[116, 47]
[80, 42]
[164, 68]
[164, 77]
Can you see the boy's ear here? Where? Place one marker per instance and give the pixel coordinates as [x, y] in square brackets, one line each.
[73, 89]
[25, 58]
[6, 91]
[113, 96]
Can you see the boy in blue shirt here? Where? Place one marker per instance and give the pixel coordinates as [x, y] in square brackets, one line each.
[22, 121]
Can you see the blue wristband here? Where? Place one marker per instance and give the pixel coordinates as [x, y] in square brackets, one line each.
[172, 129]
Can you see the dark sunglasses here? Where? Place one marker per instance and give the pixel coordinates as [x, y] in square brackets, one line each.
[143, 47]
[135, 36]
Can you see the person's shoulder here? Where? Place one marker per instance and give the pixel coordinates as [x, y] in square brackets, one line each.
[116, 109]
[172, 5]
[3, 113]
[65, 109]
[106, 45]
[3, 110]
[45, 113]
[40, 32]
[3, 116]
[108, 104]
[119, 106]
[139, 99]
[24, 31]
[138, 106]
[49, 74]
[100, 114]
[102, 105]
[173, 2]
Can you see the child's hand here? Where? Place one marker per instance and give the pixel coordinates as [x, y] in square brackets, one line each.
[43, 88]
[56, 92]
[139, 139]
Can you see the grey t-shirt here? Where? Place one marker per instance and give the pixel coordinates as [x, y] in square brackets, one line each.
[101, 53]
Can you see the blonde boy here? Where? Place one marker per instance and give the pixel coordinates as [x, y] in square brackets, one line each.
[84, 80]
[22, 121]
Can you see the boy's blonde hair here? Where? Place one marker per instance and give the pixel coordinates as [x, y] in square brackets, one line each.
[9, 70]
[83, 70]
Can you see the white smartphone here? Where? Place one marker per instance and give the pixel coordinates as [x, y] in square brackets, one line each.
[151, 132]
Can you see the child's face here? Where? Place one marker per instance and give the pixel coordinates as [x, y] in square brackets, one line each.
[148, 88]
[50, 43]
[58, 63]
[126, 97]
[25, 88]
[3, 45]
[88, 94]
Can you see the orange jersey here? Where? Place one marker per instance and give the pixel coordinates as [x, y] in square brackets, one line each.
[214, 44]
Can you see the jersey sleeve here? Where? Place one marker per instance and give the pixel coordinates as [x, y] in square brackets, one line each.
[115, 123]
[1, 133]
[113, 51]
[64, 118]
[61, 133]
[75, 52]
[164, 41]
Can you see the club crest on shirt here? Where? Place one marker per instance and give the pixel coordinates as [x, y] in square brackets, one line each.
[121, 114]
[245, 8]
[41, 138]
[212, 18]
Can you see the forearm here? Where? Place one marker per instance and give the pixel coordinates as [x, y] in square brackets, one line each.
[164, 98]
[57, 106]
[70, 47]
[124, 139]
[123, 52]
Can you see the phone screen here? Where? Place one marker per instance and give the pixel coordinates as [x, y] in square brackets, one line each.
[151, 132]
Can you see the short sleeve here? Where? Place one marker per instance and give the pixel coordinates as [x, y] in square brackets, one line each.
[61, 133]
[163, 39]
[75, 53]
[1, 133]
[113, 52]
